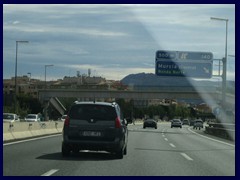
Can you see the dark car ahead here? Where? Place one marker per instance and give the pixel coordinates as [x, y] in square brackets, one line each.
[97, 126]
[185, 122]
[150, 123]
[176, 123]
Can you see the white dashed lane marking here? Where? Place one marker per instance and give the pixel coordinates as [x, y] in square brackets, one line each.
[186, 156]
[51, 172]
[172, 145]
[165, 139]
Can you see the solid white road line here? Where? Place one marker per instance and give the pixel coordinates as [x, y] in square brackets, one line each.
[211, 138]
[186, 156]
[51, 172]
[172, 145]
[32, 139]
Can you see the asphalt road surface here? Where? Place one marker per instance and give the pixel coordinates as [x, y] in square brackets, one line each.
[164, 151]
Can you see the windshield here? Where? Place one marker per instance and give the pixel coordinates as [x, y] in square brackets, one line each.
[165, 62]
[31, 117]
[8, 116]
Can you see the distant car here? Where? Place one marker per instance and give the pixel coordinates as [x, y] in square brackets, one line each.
[150, 123]
[185, 122]
[10, 117]
[63, 117]
[176, 123]
[191, 122]
[32, 118]
[198, 123]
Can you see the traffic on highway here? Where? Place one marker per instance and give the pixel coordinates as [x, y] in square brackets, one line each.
[164, 151]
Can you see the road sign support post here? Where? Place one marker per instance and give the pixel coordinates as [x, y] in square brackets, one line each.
[224, 80]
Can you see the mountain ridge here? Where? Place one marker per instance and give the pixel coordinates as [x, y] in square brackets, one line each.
[152, 80]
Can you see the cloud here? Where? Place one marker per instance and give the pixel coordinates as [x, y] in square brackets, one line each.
[48, 29]
[16, 22]
[116, 40]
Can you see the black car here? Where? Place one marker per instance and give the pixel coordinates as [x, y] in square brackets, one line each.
[150, 123]
[96, 126]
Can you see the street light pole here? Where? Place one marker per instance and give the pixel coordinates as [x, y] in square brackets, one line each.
[46, 74]
[15, 96]
[224, 75]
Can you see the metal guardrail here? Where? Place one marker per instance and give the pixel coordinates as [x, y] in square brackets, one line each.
[222, 125]
[223, 130]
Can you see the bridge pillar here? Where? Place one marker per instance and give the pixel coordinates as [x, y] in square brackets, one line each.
[45, 110]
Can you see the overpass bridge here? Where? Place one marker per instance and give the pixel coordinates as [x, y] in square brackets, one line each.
[206, 94]
[163, 93]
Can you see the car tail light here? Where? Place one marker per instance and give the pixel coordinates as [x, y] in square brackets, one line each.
[118, 123]
[66, 122]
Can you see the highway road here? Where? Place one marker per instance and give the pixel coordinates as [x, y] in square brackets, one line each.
[162, 152]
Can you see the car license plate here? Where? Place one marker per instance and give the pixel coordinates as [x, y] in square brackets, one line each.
[91, 133]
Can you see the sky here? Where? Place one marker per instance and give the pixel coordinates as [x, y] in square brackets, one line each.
[111, 40]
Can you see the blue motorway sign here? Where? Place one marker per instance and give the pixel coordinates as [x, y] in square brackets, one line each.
[183, 55]
[184, 68]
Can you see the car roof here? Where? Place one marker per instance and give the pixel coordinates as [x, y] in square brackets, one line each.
[97, 103]
[149, 119]
[9, 113]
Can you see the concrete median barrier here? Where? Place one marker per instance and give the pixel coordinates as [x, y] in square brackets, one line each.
[22, 130]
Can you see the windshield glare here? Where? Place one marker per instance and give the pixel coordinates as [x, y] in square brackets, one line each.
[89, 77]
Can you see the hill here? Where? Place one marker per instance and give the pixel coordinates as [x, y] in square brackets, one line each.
[150, 80]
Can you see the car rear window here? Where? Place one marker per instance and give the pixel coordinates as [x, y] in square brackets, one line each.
[31, 116]
[176, 120]
[8, 116]
[87, 112]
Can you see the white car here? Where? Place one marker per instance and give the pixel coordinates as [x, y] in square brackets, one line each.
[176, 123]
[10, 117]
[198, 123]
[32, 118]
